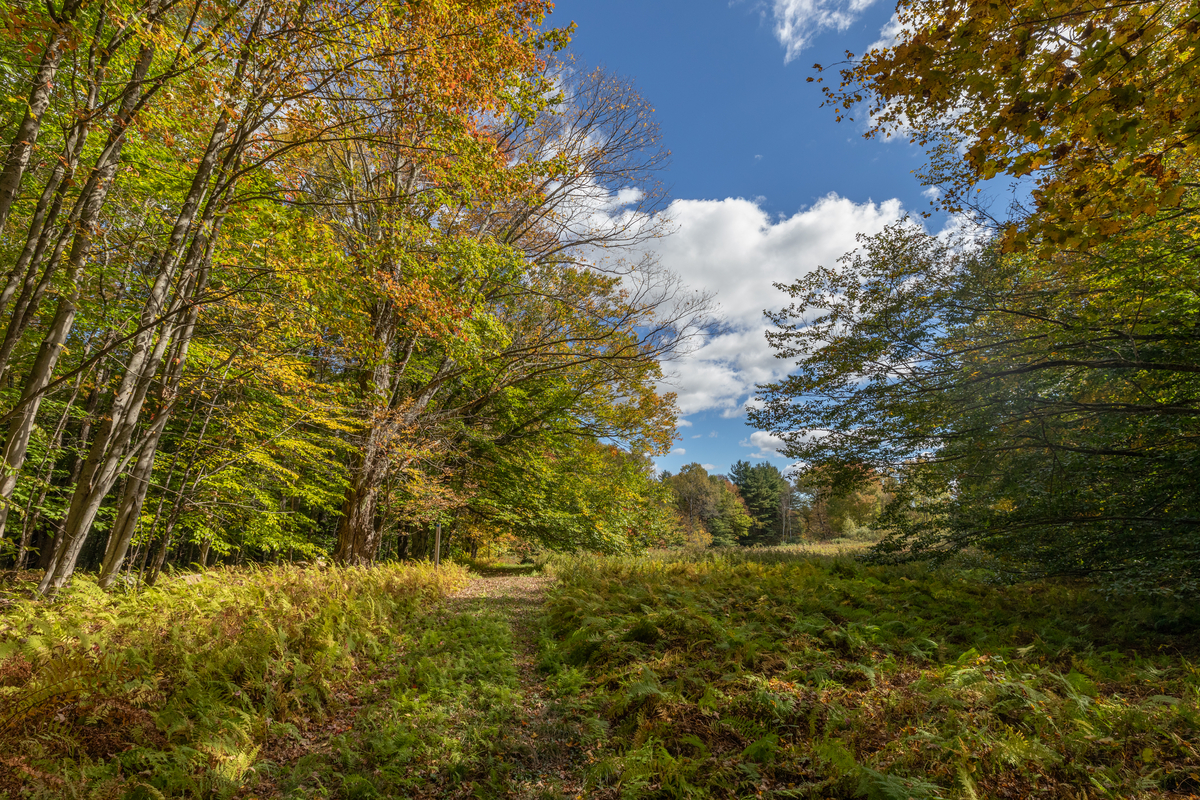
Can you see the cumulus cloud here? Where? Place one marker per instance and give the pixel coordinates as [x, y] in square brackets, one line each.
[679, 451]
[766, 445]
[709, 467]
[798, 22]
[735, 250]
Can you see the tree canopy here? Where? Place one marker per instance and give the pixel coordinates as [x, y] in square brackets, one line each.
[1032, 394]
[1094, 101]
[307, 278]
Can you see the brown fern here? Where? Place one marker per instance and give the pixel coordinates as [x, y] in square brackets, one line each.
[59, 681]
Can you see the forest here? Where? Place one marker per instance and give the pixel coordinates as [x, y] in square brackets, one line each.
[334, 370]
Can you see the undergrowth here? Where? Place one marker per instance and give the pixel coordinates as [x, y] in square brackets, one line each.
[450, 716]
[173, 691]
[434, 720]
[793, 676]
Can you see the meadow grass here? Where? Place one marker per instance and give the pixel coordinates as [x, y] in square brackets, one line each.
[783, 674]
[174, 690]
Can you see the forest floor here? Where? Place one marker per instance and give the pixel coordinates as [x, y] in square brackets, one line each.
[782, 674]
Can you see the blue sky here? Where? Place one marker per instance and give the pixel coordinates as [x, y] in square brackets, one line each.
[765, 184]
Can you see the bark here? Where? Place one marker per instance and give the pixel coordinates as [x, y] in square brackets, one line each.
[129, 508]
[357, 537]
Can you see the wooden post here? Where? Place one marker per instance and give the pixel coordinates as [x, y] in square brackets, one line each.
[437, 547]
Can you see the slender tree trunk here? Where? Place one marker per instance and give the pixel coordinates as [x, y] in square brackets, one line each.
[40, 93]
[91, 201]
[164, 547]
[134, 495]
[129, 508]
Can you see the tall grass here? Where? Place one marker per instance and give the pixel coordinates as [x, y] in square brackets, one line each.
[787, 675]
[171, 692]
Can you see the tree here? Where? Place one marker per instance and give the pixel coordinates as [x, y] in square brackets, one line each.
[764, 489]
[826, 515]
[1045, 410]
[696, 499]
[709, 506]
[1093, 100]
[731, 524]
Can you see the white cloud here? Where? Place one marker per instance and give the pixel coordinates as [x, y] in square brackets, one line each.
[709, 467]
[698, 436]
[627, 197]
[766, 444]
[735, 250]
[964, 231]
[798, 22]
[683, 423]
[889, 34]
[679, 451]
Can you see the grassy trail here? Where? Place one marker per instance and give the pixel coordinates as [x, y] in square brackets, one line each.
[539, 733]
[459, 710]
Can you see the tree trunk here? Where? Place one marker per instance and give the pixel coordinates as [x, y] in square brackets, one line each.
[110, 450]
[39, 100]
[91, 201]
[358, 538]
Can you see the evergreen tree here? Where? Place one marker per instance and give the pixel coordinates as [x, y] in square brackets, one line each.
[763, 488]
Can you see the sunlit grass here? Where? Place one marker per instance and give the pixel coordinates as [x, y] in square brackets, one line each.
[173, 691]
[732, 673]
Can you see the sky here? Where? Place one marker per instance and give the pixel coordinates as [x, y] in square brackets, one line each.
[765, 184]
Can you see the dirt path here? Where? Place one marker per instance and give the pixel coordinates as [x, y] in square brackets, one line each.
[535, 746]
[544, 737]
